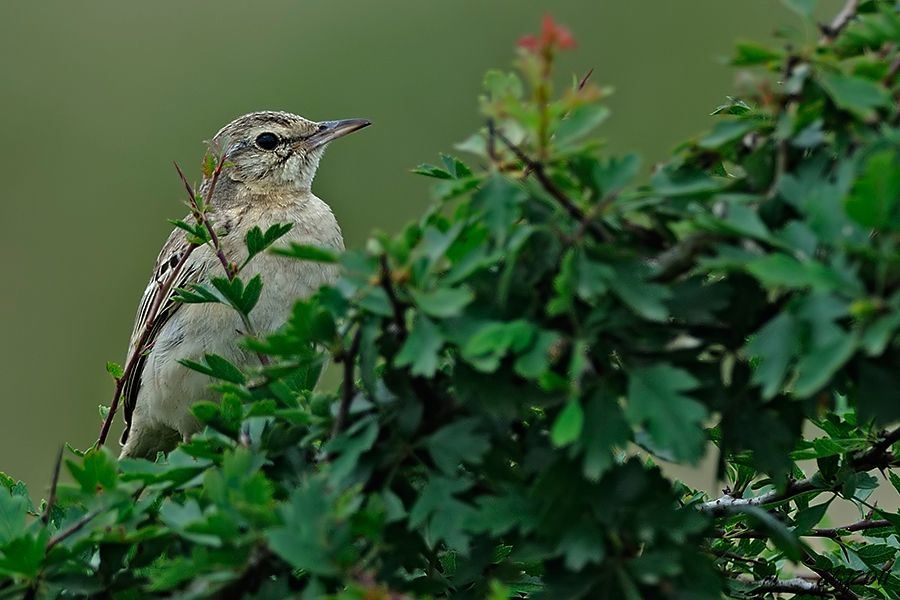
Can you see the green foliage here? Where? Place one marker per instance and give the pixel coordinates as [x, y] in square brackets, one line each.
[516, 362]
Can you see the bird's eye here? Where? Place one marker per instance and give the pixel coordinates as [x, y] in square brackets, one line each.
[267, 141]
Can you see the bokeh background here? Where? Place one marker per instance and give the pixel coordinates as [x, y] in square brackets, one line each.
[99, 97]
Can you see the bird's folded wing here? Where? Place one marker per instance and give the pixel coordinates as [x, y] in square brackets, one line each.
[169, 264]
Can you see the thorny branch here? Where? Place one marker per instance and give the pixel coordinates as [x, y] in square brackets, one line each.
[537, 167]
[200, 215]
[141, 346]
[348, 358]
[54, 481]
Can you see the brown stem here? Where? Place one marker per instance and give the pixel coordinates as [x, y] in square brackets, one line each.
[140, 347]
[72, 529]
[396, 305]
[348, 357]
[596, 229]
[54, 481]
[200, 215]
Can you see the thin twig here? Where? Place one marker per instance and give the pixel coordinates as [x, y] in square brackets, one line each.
[201, 218]
[348, 358]
[54, 481]
[840, 21]
[141, 345]
[835, 532]
[536, 167]
[72, 529]
[585, 79]
[396, 305]
[842, 590]
[876, 457]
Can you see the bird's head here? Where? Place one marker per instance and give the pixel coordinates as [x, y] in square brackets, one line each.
[272, 149]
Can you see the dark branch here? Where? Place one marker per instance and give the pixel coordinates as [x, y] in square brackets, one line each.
[348, 358]
[396, 305]
[54, 481]
[837, 532]
[536, 167]
[202, 219]
[141, 346]
[72, 529]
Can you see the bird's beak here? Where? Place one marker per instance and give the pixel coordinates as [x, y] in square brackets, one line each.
[332, 130]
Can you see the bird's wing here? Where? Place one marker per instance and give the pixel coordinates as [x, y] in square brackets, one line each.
[168, 264]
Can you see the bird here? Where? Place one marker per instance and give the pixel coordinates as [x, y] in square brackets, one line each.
[272, 158]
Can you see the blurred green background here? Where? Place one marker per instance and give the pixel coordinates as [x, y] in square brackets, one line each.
[99, 98]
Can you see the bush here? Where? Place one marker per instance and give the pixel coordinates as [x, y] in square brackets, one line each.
[515, 363]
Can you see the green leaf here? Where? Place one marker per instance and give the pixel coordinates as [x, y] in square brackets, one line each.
[421, 349]
[257, 241]
[580, 122]
[251, 294]
[455, 167]
[96, 472]
[443, 302]
[613, 174]
[13, 511]
[457, 443]
[781, 536]
[432, 171]
[492, 340]
[725, 132]
[673, 420]
[773, 346]
[216, 366]
[568, 424]
[304, 540]
[855, 94]
[751, 53]
[873, 200]
[804, 8]
[307, 252]
[644, 298]
[114, 369]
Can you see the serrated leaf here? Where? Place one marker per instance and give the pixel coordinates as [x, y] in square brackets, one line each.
[856, 94]
[307, 252]
[568, 424]
[580, 122]
[421, 349]
[442, 302]
[674, 421]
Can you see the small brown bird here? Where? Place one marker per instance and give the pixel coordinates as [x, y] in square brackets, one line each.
[274, 157]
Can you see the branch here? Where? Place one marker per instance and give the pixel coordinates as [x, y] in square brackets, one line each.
[840, 21]
[72, 529]
[596, 229]
[864, 525]
[876, 457]
[140, 346]
[54, 481]
[348, 357]
[200, 215]
[396, 305]
[842, 590]
[798, 585]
